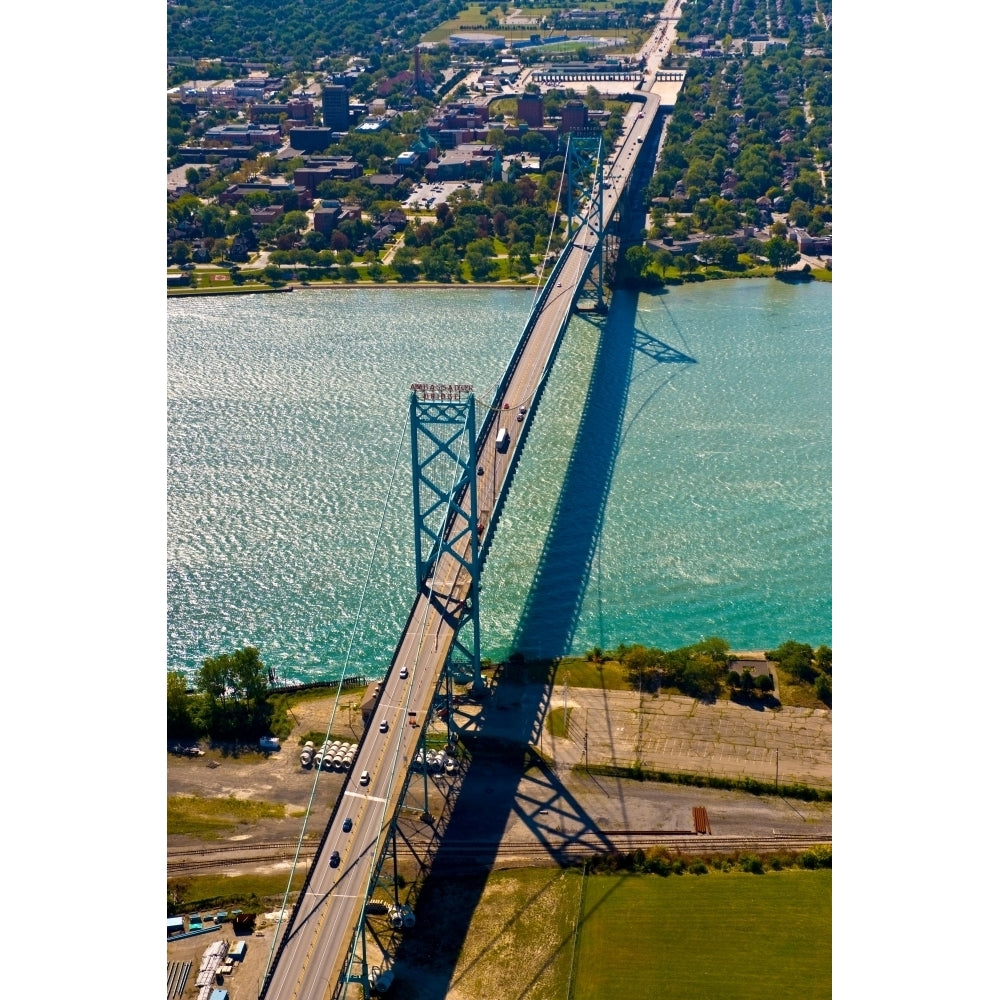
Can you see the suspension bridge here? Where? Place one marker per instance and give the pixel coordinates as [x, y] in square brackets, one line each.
[462, 468]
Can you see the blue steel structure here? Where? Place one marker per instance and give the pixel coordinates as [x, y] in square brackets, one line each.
[585, 166]
[443, 457]
[445, 449]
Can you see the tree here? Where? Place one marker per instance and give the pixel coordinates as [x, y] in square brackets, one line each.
[795, 658]
[720, 250]
[315, 240]
[781, 253]
[440, 264]
[180, 252]
[799, 212]
[296, 219]
[643, 666]
[714, 648]
[635, 268]
[764, 683]
[824, 689]
[179, 718]
[519, 258]
[405, 264]
[824, 659]
[479, 255]
[235, 686]
[239, 224]
[700, 679]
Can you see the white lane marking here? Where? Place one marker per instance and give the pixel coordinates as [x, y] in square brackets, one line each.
[364, 795]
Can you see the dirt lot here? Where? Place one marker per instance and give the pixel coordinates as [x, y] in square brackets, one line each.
[547, 809]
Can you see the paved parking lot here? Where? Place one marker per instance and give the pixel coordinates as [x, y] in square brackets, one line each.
[673, 733]
[436, 194]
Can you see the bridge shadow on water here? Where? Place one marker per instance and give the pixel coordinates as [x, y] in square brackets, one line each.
[509, 788]
[552, 609]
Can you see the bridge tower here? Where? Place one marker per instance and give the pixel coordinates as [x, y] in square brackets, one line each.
[443, 455]
[585, 165]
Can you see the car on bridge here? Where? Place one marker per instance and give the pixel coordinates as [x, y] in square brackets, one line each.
[348, 823]
[365, 778]
[383, 726]
[404, 673]
[335, 859]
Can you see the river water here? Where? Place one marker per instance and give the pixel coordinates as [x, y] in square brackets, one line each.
[675, 483]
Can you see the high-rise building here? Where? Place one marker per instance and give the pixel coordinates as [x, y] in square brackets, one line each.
[574, 117]
[336, 113]
[530, 109]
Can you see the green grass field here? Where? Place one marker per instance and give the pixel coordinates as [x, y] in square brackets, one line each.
[707, 938]
[710, 937]
[254, 893]
[210, 819]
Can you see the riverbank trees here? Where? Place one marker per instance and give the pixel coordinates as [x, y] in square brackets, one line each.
[231, 698]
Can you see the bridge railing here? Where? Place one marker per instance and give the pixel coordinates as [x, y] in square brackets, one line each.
[501, 390]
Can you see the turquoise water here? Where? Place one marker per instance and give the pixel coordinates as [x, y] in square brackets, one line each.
[676, 482]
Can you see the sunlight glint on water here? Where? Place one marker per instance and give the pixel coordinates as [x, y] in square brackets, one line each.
[707, 513]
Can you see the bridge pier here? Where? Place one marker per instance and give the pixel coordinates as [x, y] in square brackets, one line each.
[445, 497]
[582, 155]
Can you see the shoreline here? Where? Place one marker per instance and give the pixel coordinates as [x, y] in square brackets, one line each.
[329, 286]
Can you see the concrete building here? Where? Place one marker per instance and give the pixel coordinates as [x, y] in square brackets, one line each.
[326, 217]
[310, 138]
[475, 40]
[311, 177]
[343, 168]
[468, 161]
[245, 135]
[299, 112]
[336, 108]
[407, 160]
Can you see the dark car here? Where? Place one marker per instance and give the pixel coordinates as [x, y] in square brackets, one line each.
[348, 823]
[335, 859]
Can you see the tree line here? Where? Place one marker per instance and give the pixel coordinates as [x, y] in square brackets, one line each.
[703, 669]
[232, 698]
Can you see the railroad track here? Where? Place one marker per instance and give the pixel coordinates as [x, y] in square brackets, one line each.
[679, 843]
[206, 859]
[196, 860]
